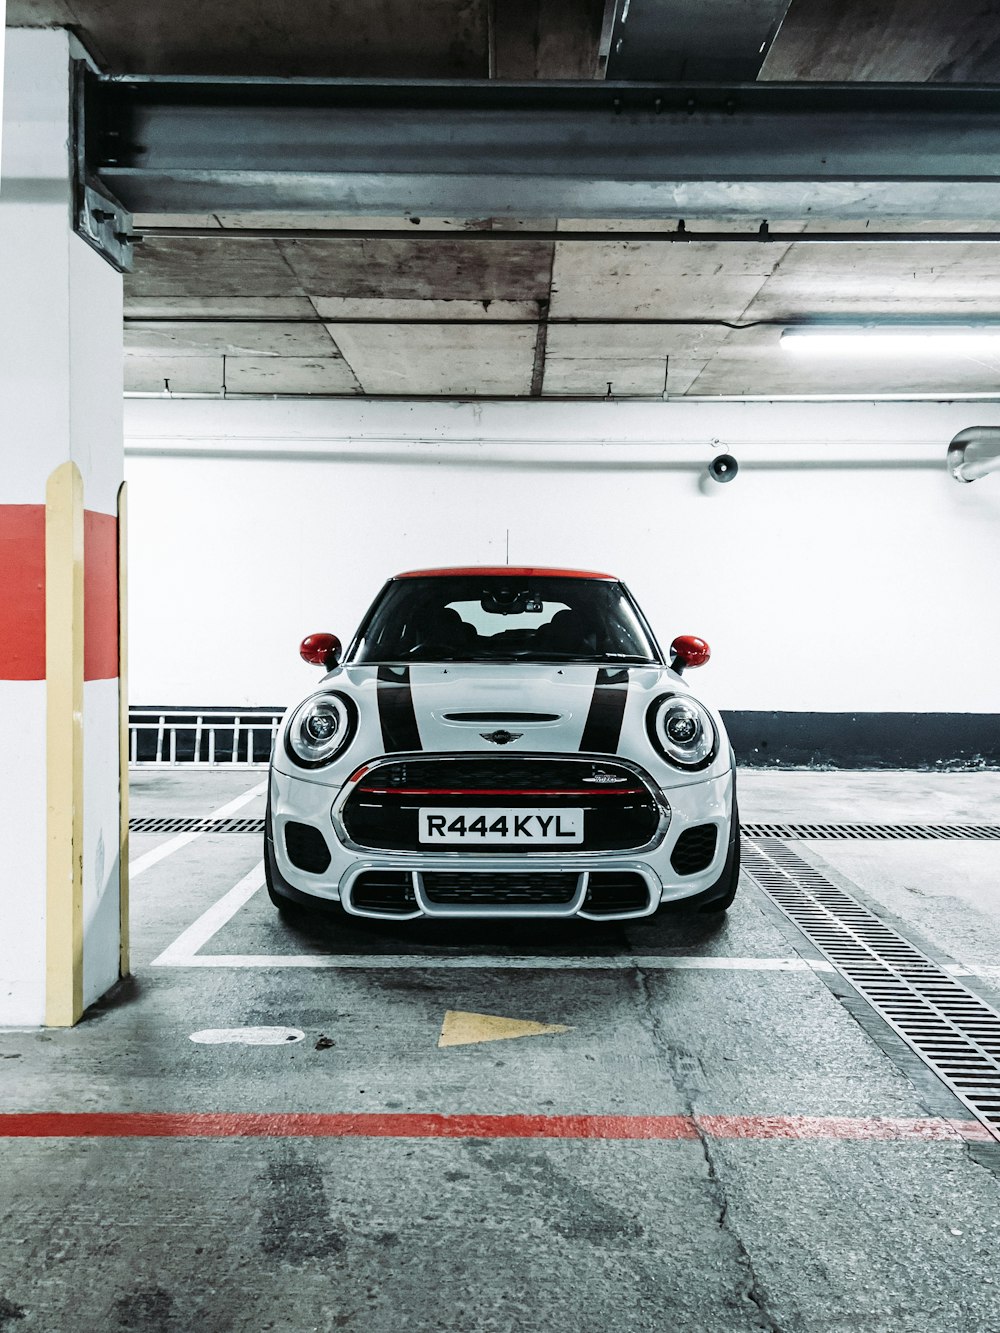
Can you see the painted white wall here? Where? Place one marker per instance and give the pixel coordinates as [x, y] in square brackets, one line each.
[22, 852]
[843, 568]
[60, 399]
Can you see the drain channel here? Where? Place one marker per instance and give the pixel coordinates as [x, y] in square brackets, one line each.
[868, 832]
[874, 832]
[953, 1031]
[193, 825]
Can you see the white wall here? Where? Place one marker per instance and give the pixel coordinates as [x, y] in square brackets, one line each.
[60, 399]
[843, 568]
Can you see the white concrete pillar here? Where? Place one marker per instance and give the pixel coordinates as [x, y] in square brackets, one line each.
[61, 899]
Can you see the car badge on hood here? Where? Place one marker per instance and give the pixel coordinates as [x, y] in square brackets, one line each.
[604, 777]
[501, 737]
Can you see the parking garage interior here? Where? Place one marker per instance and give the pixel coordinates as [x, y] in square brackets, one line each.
[300, 297]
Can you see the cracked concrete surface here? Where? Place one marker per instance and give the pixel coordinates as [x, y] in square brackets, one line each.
[488, 1235]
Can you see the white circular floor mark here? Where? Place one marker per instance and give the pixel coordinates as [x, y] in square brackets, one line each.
[247, 1036]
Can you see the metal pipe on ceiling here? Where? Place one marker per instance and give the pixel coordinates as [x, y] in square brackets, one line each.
[676, 236]
[974, 453]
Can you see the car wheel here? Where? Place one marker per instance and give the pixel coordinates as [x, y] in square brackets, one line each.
[289, 911]
[729, 881]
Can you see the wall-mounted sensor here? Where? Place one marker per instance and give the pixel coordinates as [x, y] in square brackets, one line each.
[723, 467]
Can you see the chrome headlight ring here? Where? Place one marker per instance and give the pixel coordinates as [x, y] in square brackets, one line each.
[320, 729]
[682, 731]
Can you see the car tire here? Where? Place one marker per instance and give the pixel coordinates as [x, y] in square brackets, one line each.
[288, 909]
[729, 881]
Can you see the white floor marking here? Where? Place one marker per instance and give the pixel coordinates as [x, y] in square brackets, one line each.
[185, 952]
[988, 971]
[211, 922]
[143, 862]
[247, 1036]
[488, 962]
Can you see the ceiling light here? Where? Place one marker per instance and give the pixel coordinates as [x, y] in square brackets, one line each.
[887, 340]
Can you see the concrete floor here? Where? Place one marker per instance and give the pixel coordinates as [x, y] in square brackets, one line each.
[486, 1234]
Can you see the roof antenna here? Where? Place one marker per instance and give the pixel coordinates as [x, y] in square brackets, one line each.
[506, 558]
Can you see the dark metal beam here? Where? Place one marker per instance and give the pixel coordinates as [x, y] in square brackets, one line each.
[775, 151]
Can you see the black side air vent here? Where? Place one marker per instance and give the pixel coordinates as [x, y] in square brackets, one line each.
[695, 849]
[306, 848]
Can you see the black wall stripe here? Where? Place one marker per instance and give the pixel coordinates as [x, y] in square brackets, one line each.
[395, 710]
[940, 741]
[607, 708]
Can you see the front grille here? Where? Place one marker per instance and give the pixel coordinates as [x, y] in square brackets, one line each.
[695, 849]
[388, 891]
[306, 848]
[504, 889]
[611, 891]
[497, 772]
[620, 810]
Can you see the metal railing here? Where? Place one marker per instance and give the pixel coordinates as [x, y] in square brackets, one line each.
[202, 738]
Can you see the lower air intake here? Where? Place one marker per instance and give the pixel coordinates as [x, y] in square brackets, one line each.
[387, 891]
[610, 892]
[499, 890]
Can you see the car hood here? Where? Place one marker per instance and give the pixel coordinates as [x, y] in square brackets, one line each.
[504, 707]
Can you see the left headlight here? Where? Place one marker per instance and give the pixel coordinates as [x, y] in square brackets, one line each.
[321, 728]
[682, 730]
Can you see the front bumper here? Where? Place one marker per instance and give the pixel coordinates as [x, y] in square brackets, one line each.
[296, 799]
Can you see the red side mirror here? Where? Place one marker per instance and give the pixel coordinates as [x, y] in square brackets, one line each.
[321, 650]
[687, 650]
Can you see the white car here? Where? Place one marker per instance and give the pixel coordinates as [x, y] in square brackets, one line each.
[502, 742]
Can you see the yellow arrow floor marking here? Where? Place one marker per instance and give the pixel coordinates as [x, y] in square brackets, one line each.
[462, 1029]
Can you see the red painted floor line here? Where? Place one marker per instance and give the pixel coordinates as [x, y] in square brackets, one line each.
[155, 1124]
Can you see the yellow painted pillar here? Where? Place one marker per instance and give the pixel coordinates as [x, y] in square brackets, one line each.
[123, 738]
[64, 746]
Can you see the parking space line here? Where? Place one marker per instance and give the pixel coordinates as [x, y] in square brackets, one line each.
[176, 957]
[987, 971]
[406, 1125]
[185, 951]
[211, 922]
[148, 859]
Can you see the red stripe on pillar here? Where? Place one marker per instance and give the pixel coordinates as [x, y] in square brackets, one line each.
[100, 596]
[22, 592]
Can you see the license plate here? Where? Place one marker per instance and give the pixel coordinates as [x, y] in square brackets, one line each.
[494, 828]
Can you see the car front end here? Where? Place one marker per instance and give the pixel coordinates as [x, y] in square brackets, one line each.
[473, 786]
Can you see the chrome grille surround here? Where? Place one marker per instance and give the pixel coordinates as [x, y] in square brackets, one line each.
[652, 794]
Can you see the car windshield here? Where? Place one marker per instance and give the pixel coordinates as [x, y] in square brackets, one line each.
[497, 618]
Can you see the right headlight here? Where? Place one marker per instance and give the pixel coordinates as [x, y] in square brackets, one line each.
[320, 729]
[682, 730]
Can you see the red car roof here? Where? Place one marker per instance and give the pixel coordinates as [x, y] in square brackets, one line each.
[515, 571]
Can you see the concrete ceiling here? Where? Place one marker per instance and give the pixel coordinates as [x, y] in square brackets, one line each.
[527, 317]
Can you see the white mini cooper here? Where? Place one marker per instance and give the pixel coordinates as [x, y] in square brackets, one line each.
[502, 743]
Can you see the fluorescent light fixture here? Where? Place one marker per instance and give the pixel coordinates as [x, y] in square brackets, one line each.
[886, 340]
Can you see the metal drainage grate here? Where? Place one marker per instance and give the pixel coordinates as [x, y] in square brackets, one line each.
[877, 832]
[952, 1030]
[874, 832]
[196, 825]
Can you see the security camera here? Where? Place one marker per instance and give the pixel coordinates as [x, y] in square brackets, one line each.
[723, 467]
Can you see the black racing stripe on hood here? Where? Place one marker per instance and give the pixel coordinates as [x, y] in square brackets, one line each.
[603, 728]
[395, 710]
